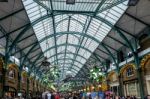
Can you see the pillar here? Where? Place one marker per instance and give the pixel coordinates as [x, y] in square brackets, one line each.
[139, 75]
[28, 82]
[120, 87]
[19, 81]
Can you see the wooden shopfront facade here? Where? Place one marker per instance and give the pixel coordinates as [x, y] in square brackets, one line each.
[11, 80]
[129, 80]
[113, 81]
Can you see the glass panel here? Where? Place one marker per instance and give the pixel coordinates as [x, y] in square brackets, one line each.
[72, 23]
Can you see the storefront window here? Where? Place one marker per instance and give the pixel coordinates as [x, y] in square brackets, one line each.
[132, 89]
[114, 77]
[11, 73]
[129, 72]
[1, 75]
[23, 79]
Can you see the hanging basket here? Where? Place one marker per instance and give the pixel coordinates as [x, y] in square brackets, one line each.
[24, 74]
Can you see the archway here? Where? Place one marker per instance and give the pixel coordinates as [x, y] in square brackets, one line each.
[113, 82]
[145, 65]
[129, 80]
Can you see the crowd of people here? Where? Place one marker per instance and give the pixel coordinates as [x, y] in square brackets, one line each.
[112, 96]
[56, 95]
[50, 95]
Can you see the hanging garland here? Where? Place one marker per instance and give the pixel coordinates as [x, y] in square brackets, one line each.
[24, 74]
[96, 74]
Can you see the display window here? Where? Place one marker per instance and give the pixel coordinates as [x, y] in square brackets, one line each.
[11, 73]
[132, 89]
[10, 92]
[24, 77]
[129, 72]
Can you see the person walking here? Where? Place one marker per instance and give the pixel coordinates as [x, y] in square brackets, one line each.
[52, 96]
[49, 95]
[57, 96]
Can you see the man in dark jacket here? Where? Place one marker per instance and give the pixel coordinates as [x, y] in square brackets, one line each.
[52, 96]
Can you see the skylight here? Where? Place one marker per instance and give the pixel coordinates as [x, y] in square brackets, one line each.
[74, 47]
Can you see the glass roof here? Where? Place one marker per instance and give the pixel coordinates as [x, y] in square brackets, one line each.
[66, 43]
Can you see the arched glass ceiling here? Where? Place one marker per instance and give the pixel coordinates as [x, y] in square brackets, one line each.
[67, 21]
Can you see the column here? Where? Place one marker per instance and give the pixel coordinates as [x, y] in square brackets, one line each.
[28, 82]
[120, 86]
[19, 81]
[1, 84]
[139, 75]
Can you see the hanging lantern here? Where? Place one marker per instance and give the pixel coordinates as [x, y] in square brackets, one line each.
[45, 62]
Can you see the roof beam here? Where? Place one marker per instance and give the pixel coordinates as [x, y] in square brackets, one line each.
[137, 19]
[54, 28]
[30, 53]
[25, 47]
[117, 40]
[26, 38]
[71, 19]
[84, 31]
[112, 5]
[14, 31]
[74, 45]
[7, 53]
[67, 59]
[13, 13]
[102, 51]
[33, 56]
[86, 28]
[75, 12]
[47, 16]
[41, 4]
[110, 47]
[99, 6]
[67, 53]
[67, 40]
[65, 69]
[125, 31]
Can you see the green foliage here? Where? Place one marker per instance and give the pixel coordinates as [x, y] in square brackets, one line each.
[96, 74]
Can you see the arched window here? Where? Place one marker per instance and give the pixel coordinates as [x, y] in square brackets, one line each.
[11, 73]
[129, 71]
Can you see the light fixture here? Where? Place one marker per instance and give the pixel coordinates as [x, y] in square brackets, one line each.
[93, 87]
[70, 1]
[133, 2]
[99, 85]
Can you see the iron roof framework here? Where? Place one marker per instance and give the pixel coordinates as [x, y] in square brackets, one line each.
[69, 35]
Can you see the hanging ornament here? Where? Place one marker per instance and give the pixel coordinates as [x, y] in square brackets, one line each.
[45, 62]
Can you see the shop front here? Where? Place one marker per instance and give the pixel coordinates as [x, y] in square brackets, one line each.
[10, 91]
[24, 83]
[31, 84]
[129, 80]
[113, 82]
[145, 65]
[11, 82]
[1, 75]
